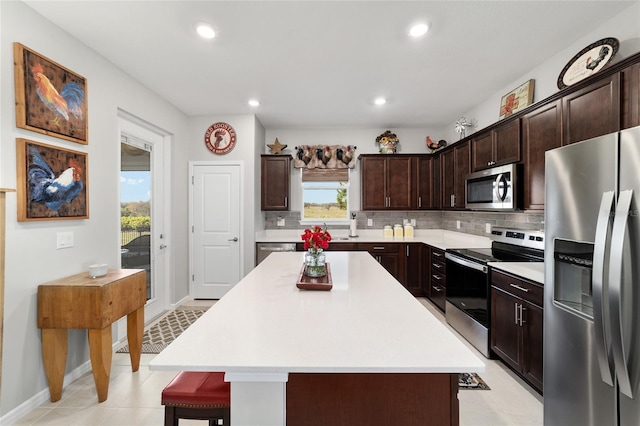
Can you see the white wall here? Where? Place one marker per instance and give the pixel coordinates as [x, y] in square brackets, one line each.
[625, 27]
[31, 256]
[245, 152]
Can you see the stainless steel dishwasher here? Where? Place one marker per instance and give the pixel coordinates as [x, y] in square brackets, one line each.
[265, 249]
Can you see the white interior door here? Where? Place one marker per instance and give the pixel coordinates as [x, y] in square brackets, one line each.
[147, 147]
[215, 228]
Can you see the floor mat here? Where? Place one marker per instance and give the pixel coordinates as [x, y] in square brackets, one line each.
[471, 381]
[165, 330]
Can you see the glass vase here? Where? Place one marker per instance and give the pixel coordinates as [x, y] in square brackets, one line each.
[315, 263]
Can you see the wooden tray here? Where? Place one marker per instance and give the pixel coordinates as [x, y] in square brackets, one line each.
[311, 283]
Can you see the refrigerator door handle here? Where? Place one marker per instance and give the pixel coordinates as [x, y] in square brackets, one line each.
[626, 366]
[600, 289]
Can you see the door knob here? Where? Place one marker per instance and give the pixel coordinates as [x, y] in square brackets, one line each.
[234, 239]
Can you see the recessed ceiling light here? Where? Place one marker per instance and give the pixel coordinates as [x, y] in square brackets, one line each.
[254, 102]
[205, 30]
[418, 30]
[380, 101]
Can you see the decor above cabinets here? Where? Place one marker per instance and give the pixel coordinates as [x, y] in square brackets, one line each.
[588, 61]
[325, 157]
[517, 100]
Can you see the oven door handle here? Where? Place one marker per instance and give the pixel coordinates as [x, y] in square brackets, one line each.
[465, 262]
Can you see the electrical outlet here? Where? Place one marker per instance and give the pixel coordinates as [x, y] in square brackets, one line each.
[413, 222]
[369, 222]
[458, 224]
[64, 240]
[487, 228]
[280, 221]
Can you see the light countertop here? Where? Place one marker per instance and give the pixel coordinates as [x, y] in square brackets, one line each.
[533, 271]
[368, 323]
[440, 238]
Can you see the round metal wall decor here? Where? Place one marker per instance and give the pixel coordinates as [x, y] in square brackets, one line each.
[588, 61]
[220, 138]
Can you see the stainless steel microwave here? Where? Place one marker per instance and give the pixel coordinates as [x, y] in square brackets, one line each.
[493, 189]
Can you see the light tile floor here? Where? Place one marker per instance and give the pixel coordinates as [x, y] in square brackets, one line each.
[134, 399]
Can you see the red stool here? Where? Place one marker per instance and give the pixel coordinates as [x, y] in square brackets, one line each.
[197, 395]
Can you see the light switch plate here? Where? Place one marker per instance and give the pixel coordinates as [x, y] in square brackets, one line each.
[369, 222]
[64, 240]
[458, 224]
[280, 222]
[487, 228]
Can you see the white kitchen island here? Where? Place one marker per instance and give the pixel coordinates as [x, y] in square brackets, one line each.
[281, 348]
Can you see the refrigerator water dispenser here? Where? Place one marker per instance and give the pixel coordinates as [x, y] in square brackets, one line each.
[573, 265]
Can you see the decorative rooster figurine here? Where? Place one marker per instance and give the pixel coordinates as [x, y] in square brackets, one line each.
[70, 99]
[51, 190]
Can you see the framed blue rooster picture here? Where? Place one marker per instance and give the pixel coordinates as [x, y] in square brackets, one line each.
[52, 182]
[50, 99]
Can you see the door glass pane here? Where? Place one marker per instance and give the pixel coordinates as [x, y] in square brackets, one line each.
[135, 210]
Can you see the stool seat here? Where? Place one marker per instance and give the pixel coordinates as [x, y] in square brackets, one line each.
[197, 395]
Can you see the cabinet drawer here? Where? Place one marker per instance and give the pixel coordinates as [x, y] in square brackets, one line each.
[438, 267]
[380, 248]
[437, 255]
[527, 290]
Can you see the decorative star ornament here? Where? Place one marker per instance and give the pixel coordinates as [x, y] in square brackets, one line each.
[276, 147]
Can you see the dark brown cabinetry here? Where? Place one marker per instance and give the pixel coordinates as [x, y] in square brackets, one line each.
[276, 177]
[592, 111]
[428, 182]
[517, 325]
[413, 268]
[630, 82]
[499, 146]
[388, 255]
[387, 182]
[438, 277]
[541, 131]
[455, 168]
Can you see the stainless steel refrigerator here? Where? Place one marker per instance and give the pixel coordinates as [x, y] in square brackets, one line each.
[592, 282]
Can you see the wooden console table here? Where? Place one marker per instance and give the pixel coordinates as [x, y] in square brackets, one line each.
[92, 303]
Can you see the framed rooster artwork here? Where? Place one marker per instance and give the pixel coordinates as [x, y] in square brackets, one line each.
[50, 99]
[52, 182]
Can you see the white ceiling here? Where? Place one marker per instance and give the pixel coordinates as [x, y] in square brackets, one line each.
[318, 64]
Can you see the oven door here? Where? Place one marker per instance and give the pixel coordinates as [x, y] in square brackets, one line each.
[468, 287]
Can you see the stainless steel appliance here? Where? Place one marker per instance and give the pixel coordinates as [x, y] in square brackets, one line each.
[265, 249]
[468, 288]
[592, 287]
[493, 189]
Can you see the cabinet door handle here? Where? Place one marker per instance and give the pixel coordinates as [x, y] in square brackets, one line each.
[436, 288]
[407, 250]
[526, 290]
[515, 307]
[419, 202]
[522, 309]
[453, 200]
[378, 248]
[435, 277]
[286, 201]
[437, 254]
[437, 266]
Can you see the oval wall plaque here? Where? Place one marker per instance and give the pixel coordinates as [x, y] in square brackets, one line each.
[220, 138]
[588, 61]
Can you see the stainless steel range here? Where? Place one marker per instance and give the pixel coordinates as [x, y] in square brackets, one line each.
[468, 288]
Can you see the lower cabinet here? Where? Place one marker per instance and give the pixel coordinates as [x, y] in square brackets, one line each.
[388, 255]
[413, 267]
[517, 325]
[438, 278]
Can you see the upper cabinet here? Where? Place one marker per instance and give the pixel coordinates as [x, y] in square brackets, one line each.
[456, 165]
[276, 178]
[630, 81]
[499, 146]
[387, 182]
[592, 111]
[428, 183]
[541, 131]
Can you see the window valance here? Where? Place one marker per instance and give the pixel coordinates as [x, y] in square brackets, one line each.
[325, 157]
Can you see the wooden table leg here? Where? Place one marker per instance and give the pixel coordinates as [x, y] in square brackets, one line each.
[101, 351]
[135, 330]
[54, 356]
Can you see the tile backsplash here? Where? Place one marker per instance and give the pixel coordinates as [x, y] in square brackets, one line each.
[470, 222]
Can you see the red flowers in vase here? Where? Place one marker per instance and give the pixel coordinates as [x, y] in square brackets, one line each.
[316, 238]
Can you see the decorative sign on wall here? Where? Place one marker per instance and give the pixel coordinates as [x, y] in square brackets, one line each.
[325, 157]
[220, 138]
[516, 100]
[588, 61]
